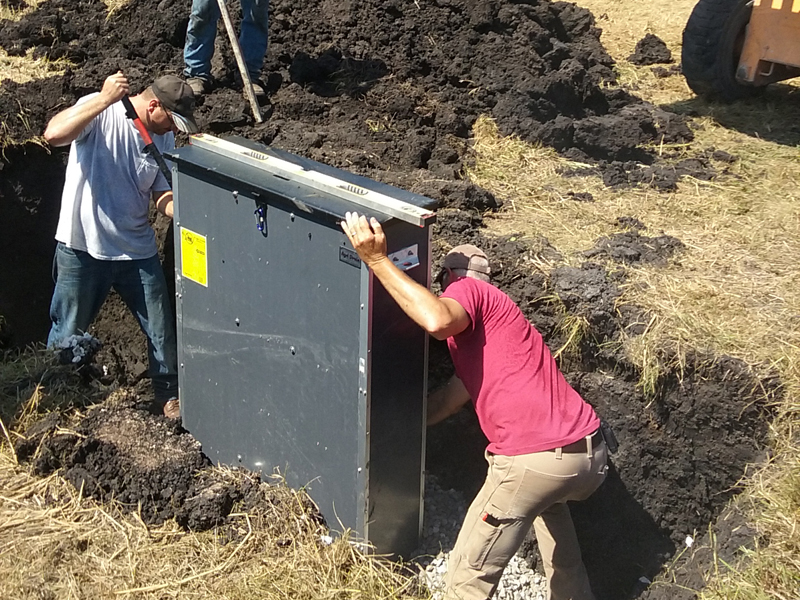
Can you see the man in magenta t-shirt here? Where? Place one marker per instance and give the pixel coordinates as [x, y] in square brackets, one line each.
[545, 447]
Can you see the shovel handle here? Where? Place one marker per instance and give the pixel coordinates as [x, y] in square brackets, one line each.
[149, 146]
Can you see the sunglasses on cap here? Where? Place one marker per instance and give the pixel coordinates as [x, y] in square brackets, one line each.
[179, 121]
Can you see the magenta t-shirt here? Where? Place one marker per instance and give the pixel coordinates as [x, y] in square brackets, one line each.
[523, 402]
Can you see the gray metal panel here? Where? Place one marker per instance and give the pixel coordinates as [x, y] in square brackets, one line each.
[294, 356]
[269, 350]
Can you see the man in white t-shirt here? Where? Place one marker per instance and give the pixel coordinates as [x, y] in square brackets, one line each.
[104, 235]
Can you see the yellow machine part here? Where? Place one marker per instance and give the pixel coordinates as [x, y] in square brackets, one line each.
[771, 50]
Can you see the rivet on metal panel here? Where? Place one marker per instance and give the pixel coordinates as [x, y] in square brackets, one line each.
[359, 469]
[177, 223]
[292, 350]
[235, 195]
[181, 365]
[239, 457]
[309, 236]
[291, 217]
[362, 306]
[236, 320]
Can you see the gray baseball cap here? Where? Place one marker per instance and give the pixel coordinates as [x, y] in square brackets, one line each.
[178, 98]
[469, 257]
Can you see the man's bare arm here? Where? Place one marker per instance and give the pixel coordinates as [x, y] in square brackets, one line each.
[446, 401]
[66, 126]
[440, 317]
[164, 203]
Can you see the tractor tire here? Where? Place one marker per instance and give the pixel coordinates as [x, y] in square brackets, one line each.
[712, 44]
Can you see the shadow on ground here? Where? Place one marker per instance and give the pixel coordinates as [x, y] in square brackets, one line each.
[773, 116]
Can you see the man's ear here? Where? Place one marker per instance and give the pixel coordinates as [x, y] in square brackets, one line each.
[152, 105]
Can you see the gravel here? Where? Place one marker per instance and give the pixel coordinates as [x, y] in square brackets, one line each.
[444, 513]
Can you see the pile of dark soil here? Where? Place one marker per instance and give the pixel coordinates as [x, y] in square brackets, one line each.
[147, 463]
[650, 50]
[390, 90]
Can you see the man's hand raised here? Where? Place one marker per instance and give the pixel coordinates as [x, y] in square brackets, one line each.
[115, 88]
[367, 237]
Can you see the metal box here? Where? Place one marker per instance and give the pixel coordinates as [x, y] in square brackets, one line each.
[291, 355]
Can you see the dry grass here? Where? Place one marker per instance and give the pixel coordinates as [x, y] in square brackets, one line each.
[735, 290]
[22, 69]
[12, 13]
[56, 544]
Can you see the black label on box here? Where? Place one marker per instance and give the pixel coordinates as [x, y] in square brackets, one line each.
[349, 256]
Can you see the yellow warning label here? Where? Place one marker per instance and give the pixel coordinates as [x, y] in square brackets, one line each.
[194, 262]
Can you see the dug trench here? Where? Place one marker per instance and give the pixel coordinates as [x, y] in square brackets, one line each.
[391, 90]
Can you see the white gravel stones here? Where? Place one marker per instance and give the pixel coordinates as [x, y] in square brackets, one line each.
[444, 513]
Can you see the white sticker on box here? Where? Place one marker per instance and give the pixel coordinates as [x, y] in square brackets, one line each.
[407, 258]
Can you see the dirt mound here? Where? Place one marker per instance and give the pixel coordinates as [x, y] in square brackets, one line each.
[388, 81]
[650, 50]
[147, 463]
[726, 542]
[631, 247]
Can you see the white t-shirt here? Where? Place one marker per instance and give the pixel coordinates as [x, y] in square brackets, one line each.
[106, 198]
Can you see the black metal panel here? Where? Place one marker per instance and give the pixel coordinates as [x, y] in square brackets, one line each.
[397, 412]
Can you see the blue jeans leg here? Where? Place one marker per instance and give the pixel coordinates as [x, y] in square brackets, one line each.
[200, 34]
[82, 284]
[143, 288]
[253, 37]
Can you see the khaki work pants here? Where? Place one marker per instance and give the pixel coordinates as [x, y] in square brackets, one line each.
[518, 491]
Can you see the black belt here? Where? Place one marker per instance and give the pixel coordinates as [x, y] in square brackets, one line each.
[580, 445]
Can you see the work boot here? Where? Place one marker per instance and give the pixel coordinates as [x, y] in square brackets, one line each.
[172, 408]
[258, 90]
[199, 85]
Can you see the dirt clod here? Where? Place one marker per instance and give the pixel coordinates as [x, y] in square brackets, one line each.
[630, 247]
[650, 50]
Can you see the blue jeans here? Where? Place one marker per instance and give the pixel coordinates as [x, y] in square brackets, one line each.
[82, 284]
[202, 30]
